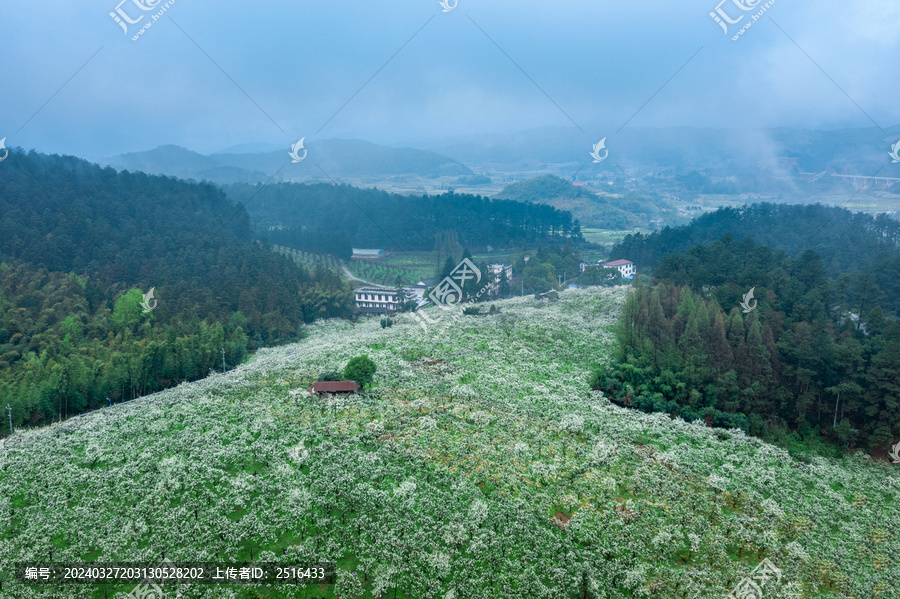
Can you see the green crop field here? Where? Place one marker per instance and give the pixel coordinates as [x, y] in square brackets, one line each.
[607, 236]
[307, 259]
[382, 273]
[410, 260]
[479, 466]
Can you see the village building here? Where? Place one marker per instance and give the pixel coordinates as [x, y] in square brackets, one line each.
[626, 267]
[382, 300]
[418, 290]
[360, 254]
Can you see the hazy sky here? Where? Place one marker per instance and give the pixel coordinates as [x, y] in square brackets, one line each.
[302, 61]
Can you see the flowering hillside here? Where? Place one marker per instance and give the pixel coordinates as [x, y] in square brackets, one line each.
[479, 467]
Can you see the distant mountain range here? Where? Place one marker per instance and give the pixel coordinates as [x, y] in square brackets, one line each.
[253, 163]
[754, 160]
[720, 152]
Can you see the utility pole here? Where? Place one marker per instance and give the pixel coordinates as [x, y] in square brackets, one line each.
[223, 360]
[9, 409]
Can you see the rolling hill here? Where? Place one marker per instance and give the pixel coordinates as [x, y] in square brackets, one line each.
[627, 210]
[80, 246]
[307, 216]
[479, 466]
[846, 241]
[326, 158]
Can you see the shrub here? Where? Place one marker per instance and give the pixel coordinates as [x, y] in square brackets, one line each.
[360, 369]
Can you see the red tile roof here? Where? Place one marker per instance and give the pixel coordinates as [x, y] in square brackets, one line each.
[618, 263]
[333, 387]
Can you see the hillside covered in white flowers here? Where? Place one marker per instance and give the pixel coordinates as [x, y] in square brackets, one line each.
[480, 466]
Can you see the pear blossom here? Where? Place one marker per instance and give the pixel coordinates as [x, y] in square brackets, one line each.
[442, 480]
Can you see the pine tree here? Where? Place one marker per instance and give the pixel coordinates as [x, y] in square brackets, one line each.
[660, 333]
[720, 355]
[758, 370]
[881, 401]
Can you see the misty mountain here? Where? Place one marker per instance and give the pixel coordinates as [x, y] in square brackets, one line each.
[721, 152]
[324, 159]
[175, 161]
[249, 148]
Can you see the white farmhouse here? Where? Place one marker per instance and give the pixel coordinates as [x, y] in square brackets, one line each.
[381, 300]
[626, 267]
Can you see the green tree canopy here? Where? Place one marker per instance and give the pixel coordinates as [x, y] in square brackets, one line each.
[606, 277]
[128, 310]
[360, 369]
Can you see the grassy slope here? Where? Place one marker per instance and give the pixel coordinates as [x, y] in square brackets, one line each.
[447, 478]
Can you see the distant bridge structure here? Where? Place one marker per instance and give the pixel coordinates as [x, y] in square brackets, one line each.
[858, 181]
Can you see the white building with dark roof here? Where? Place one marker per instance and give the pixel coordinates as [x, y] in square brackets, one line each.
[626, 267]
[381, 300]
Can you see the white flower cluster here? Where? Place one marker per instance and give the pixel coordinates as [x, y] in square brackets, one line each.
[299, 453]
[573, 423]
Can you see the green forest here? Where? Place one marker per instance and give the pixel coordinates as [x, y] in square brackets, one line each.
[809, 361]
[845, 241]
[302, 216]
[78, 253]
